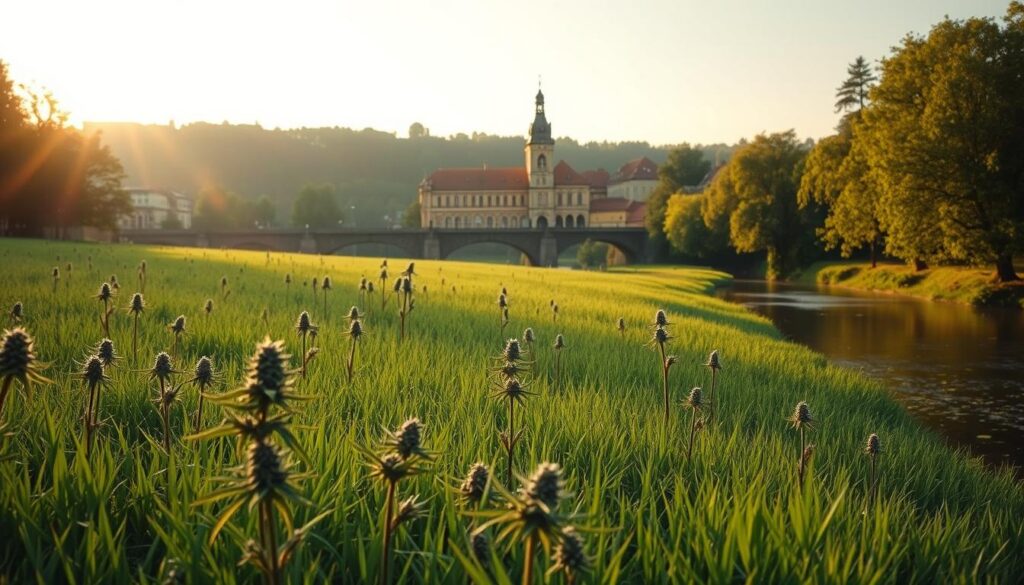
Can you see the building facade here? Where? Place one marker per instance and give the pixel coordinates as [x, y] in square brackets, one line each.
[152, 209]
[538, 195]
[635, 180]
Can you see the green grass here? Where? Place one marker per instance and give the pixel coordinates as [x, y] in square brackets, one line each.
[945, 283]
[732, 514]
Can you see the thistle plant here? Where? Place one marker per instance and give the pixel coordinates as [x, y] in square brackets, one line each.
[872, 450]
[203, 379]
[17, 313]
[161, 372]
[94, 377]
[362, 291]
[802, 421]
[383, 277]
[18, 362]
[177, 329]
[473, 489]
[105, 296]
[620, 326]
[264, 480]
[288, 283]
[208, 307]
[402, 455]
[570, 557]
[408, 303]
[105, 351]
[554, 312]
[531, 515]
[714, 365]
[695, 403]
[369, 295]
[660, 338]
[316, 283]
[56, 278]
[224, 291]
[508, 386]
[326, 286]
[558, 346]
[113, 283]
[528, 339]
[355, 333]
[502, 315]
[142, 276]
[307, 330]
[136, 307]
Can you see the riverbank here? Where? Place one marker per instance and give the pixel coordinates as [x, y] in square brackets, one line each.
[973, 286]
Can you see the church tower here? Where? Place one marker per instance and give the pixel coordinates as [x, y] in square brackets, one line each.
[540, 161]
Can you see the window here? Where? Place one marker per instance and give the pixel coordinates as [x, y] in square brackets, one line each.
[490, 222]
[542, 162]
[559, 197]
[579, 199]
[579, 221]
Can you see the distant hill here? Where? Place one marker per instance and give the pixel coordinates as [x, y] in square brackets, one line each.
[376, 172]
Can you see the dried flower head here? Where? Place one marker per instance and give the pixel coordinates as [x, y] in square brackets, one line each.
[105, 293]
[92, 373]
[502, 302]
[480, 544]
[268, 378]
[369, 287]
[671, 361]
[620, 325]
[694, 400]
[559, 341]
[353, 314]
[203, 376]
[56, 273]
[801, 417]
[363, 283]
[106, 353]
[162, 367]
[660, 320]
[223, 281]
[874, 446]
[511, 389]
[209, 306]
[408, 509]
[569, 556]
[406, 285]
[713, 362]
[410, 270]
[17, 312]
[660, 337]
[178, 326]
[265, 468]
[546, 486]
[355, 329]
[326, 283]
[288, 278]
[528, 336]
[303, 325]
[406, 441]
[18, 358]
[474, 486]
[137, 305]
[512, 351]
[398, 284]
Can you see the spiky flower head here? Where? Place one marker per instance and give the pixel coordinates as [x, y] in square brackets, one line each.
[105, 293]
[512, 351]
[265, 468]
[384, 263]
[369, 287]
[203, 376]
[406, 441]
[502, 302]
[137, 305]
[569, 555]
[408, 509]
[390, 467]
[528, 336]
[621, 324]
[316, 283]
[480, 544]
[303, 325]
[18, 357]
[801, 417]
[660, 320]
[559, 341]
[17, 311]
[362, 283]
[178, 327]
[209, 306]
[671, 361]
[162, 367]
[326, 284]
[546, 486]
[106, 353]
[56, 273]
[661, 336]
[113, 280]
[554, 308]
[353, 314]
[383, 273]
[474, 485]
[92, 373]
[695, 400]
[355, 329]
[288, 278]
[398, 284]
[874, 446]
[406, 285]
[713, 362]
[223, 281]
[805, 457]
[268, 377]
[410, 270]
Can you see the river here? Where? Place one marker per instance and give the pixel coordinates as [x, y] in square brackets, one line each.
[958, 369]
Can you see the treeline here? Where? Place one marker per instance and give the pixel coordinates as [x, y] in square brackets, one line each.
[373, 174]
[926, 166]
[51, 176]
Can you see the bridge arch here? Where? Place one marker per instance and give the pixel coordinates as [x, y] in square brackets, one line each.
[630, 245]
[334, 245]
[451, 243]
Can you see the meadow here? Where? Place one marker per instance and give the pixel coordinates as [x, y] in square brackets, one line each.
[735, 510]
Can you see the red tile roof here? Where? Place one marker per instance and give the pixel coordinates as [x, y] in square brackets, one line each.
[479, 179]
[598, 178]
[566, 175]
[637, 169]
[637, 214]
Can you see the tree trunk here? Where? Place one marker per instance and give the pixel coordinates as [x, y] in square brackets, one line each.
[874, 255]
[1004, 268]
[920, 265]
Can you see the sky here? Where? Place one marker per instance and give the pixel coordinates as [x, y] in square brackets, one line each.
[662, 71]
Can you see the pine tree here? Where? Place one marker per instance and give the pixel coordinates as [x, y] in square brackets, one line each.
[853, 93]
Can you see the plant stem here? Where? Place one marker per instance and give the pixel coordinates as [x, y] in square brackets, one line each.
[351, 359]
[88, 421]
[270, 539]
[711, 395]
[388, 512]
[664, 379]
[528, 561]
[303, 355]
[511, 436]
[105, 319]
[199, 412]
[3, 392]
[693, 429]
[325, 307]
[135, 340]
[800, 467]
[164, 413]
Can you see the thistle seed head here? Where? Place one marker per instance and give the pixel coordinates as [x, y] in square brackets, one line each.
[162, 367]
[355, 329]
[353, 314]
[17, 355]
[56, 273]
[265, 468]
[528, 335]
[801, 417]
[512, 351]
[398, 284]
[92, 373]
[661, 336]
[671, 361]
[178, 327]
[369, 287]
[408, 509]
[362, 283]
[137, 305]
[288, 278]
[268, 377]
[17, 311]
[326, 283]
[559, 341]
[406, 440]
[694, 400]
[223, 281]
[106, 352]
[806, 456]
[203, 377]
[410, 269]
[391, 467]
[621, 324]
[874, 446]
[407, 285]
[660, 320]
[104, 294]
[481, 547]
[113, 280]
[209, 306]
[713, 362]
[569, 555]
[384, 263]
[303, 325]
[502, 303]
[472, 488]
[316, 283]
[383, 274]
[546, 486]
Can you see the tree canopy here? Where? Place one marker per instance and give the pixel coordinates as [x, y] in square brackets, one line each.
[853, 93]
[317, 207]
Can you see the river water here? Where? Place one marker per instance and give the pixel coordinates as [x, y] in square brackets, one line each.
[956, 368]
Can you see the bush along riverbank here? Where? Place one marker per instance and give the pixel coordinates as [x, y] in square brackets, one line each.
[974, 286]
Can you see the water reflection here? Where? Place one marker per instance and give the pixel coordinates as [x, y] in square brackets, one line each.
[958, 369]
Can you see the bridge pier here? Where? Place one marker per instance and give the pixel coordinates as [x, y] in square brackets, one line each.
[307, 245]
[548, 250]
[431, 247]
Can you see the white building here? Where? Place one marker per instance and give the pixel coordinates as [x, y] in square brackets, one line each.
[635, 180]
[151, 208]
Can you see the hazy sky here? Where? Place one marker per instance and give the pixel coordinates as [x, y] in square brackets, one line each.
[664, 71]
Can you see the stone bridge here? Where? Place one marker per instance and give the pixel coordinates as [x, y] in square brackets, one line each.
[541, 247]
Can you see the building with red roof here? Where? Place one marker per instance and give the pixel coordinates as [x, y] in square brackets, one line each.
[635, 180]
[617, 212]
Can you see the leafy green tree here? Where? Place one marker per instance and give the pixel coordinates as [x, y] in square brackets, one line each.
[317, 207]
[685, 167]
[416, 130]
[944, 138]
[853, 93]
[686, 230]
[411, 217]
[263, 211]
[591, 254]
[758, 195]
[216, 208]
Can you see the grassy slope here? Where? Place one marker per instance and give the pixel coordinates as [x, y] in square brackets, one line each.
[733, 513]
[945, 283]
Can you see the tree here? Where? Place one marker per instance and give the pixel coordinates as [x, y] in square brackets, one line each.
[686, 230]
[171, 222]
[685, 167]
[317, 207]
[216, 208]
[591, 254]
[263, 211]
[416, 130]
[944, 139]
[758, 195]
[836, 177]
[853, 93]
[411, 217]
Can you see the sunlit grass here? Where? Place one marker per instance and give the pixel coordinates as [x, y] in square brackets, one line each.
[732, 511]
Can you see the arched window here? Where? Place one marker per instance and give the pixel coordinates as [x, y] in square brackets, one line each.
[447, 222]
[568, 221]
[504, 221]
[542, 222]
[542, 162]
[490, 221]
[558, 221]
[478, 221]
[579, 221]
[579, 199]
[458, 222]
